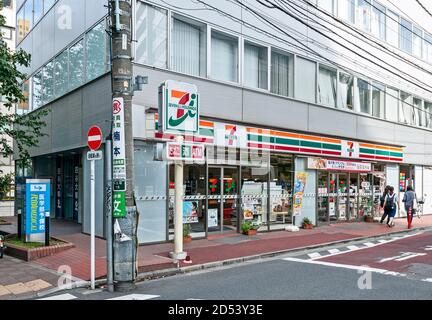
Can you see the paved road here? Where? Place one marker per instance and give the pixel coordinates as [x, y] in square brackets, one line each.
[385, 268]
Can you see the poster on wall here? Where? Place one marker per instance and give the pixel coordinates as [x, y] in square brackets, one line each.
[190, 212]
[212, 215]
[299, 186]
[248, 209]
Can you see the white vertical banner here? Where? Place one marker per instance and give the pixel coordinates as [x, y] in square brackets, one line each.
[119, 159]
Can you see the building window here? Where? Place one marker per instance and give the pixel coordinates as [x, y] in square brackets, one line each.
[255, 66]
[6, 32]
[392, 29]
[378, 100]
[392, 104]
[428, 114]
[364, 96]
[20, 24]
[305, 88]
[378, 21]
[37, 90]
[327, 5]
[406, 114]
[152, 35]
[417, 41]
[189, 48]
[96, 51]
[327, 82]
[346, 91]
[61, 74]
[37, 10]
[418, 118]
[427, 52]
[48, 4]
[24, 106]
[346, 10]
[364, 14]
[224, 57]
[76, 65]
[406, 35]
[282, 74]
[48, 82]
[28, 16]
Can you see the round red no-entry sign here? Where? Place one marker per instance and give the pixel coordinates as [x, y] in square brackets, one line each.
[94, 138]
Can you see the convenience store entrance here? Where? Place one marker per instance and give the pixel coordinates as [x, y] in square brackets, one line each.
[223, 199]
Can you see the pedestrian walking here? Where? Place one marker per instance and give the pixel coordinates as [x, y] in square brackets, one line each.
[410, 200]
[382, 199]
[391, 203]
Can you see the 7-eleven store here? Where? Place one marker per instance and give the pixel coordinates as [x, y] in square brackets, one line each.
[251, 173]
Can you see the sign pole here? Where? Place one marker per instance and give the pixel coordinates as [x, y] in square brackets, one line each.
[92, 223]
[178, 253]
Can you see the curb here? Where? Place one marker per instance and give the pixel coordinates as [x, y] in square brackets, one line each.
[183, 270]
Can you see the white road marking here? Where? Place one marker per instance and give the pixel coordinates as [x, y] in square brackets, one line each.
[427, 280]
[403, 256]
[65, 296]
[135, 296]
[333, 251]
[370, 244]
[87, 292]
[314, 255]
[352, 247]
[383, 241]
[428, 248]
[194, 299]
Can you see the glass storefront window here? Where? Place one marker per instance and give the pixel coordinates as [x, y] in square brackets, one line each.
[281, 187]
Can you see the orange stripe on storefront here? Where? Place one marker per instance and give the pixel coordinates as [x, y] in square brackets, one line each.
[177, 94]
[374, 146]
[206, 124]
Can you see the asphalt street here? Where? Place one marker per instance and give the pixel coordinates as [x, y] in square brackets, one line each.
[388, 268]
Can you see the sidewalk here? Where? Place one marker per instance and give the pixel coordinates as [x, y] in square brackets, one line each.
[217, 248]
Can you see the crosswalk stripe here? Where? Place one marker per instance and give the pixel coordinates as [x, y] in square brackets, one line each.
[332, 251]
[369, 244]
[135, 297]
[382, 241]
[65, 296]
[352, 247]
[314, 255]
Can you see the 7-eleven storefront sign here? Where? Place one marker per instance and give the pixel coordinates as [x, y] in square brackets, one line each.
[178, 107]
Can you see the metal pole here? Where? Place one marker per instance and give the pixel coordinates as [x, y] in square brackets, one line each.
[108, 213]
[92, 223]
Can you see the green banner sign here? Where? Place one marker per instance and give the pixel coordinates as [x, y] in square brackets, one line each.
[119, 204]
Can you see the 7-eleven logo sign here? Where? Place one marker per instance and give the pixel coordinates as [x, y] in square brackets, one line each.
[350, 149]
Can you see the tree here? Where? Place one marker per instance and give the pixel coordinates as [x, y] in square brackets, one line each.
[24, 130]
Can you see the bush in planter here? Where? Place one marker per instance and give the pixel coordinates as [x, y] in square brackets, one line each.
[249, 225]
[307, 224]
[186, 232]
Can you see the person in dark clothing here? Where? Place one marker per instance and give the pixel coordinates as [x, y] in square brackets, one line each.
[382, 199]
[410, 200]
[391, 203]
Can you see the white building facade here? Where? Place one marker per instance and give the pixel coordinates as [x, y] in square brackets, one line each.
[330, 100]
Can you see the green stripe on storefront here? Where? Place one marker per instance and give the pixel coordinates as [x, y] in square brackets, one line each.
[382, 153]
[257, 138]
[396, 154]
[311, 144]
[206, 132]
[289, 142]
[332, 146]
[369, 151]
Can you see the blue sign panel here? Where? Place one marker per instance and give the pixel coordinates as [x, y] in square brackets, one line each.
[37, 205]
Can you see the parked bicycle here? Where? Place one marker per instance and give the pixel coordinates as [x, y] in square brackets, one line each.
[420, 207]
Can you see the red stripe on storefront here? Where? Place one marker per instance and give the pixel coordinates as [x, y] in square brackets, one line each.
[310, 151]
[380, 158]
[260, 146]
[286, 148]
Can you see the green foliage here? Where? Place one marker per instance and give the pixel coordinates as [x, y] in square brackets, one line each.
[25, 130]
[186, 230]
[249, 225]
[5, 185]
[306, 221]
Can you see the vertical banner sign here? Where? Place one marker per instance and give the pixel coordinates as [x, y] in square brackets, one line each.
[37, 205]
[76, 192]
[59, 187]
[119, 159]
[299, 186]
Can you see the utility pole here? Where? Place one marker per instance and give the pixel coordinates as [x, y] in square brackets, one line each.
[124, 210]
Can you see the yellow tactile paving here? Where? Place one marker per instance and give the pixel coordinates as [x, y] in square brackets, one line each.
[4, 291]
[37, 285]
[18, 288]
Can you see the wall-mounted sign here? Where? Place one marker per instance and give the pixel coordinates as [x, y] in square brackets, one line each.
[190, 212]
[339, 165]
[212, 215]
[350, 149]
[186, 152]
[119, 159]
[232, 136]
[38, 193]
[178, 107]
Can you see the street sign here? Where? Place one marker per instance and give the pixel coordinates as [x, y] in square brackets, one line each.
[184, 151]
[94, 138]
[94, 155]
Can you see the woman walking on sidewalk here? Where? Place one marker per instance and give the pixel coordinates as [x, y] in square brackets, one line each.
[410, 200]
[390, 204]
[382, 199]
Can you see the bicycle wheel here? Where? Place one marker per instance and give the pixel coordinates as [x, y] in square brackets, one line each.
[420, 212]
